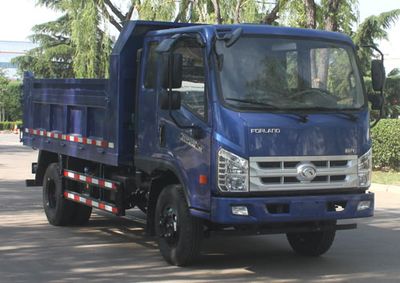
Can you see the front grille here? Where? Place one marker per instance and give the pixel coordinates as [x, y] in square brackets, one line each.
[280, 173]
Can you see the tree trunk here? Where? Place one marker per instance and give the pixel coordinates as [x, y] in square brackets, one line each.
[110, 17]
[217, 11]
[183, 8]
[272, 16]
[331, 23]
[310, 13]
[236, 18]
[115, 10]
[192, 4]
[2, 114]
[130, 12]
[201, 10]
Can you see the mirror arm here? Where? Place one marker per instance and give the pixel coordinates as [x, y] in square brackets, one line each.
[375, 48]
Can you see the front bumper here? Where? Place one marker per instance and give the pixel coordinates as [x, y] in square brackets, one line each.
[297, 209]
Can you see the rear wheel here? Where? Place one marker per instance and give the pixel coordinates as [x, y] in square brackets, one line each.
[179, 233]
[58, 210]
[313, 243]
[82, 213]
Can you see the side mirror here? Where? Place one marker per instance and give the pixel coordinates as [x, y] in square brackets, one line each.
[172, 73]
[377, 75]
[376, 101]
[170, 101]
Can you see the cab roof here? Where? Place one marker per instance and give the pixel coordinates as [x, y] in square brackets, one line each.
[258, 29]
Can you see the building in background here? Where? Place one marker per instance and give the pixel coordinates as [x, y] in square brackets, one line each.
[9, 50]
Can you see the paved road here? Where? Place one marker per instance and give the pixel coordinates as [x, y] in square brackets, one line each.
[115, 249]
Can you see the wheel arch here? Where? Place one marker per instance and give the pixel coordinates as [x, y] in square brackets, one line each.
[162, 173]
[45, 158]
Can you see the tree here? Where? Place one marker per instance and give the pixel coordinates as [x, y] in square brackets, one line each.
[332, 8]
[91, 44]
[217, 10]
[272, 15]
[78, 43]
[311, 11]
[54, 54]
[394, 73]
[332, 15]
[157, 10]
[3, 87]
[75, 45]
[238, 8]
[369, 31]
[13, 101]
[10, 99]
[184, 6]
[339, 15]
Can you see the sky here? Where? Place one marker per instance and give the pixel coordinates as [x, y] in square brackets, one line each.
[18, 16]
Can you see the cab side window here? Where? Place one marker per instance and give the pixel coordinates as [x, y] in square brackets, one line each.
[193, 77]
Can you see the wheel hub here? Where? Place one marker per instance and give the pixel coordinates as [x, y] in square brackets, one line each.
[169, 225]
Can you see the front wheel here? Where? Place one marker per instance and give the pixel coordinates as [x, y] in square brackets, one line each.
[313, 243]
[179, 233]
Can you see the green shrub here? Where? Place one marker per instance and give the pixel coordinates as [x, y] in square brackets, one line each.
[9, 126]
[386, 144]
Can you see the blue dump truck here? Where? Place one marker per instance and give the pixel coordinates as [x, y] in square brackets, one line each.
[210, 129]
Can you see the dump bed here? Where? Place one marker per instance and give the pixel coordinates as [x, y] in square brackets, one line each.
[69, 117]
[90, 119]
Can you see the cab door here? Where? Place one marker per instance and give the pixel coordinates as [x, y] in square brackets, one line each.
[189, 149]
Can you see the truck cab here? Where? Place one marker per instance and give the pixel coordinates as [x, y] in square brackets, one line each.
[232, 129]
[271, 121]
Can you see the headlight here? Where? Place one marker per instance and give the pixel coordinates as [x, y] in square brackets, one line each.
[364, 169]
[233, 172]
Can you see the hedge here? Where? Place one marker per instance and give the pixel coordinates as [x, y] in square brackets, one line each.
[386, 144]
[9, 126]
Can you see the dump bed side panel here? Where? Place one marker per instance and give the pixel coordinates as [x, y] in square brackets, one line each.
[70, 117]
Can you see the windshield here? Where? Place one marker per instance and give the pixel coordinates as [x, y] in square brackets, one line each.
[285, 73]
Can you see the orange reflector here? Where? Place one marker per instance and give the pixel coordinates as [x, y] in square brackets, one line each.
[203, 180]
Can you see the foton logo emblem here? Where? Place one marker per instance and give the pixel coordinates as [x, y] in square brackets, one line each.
[265, 131]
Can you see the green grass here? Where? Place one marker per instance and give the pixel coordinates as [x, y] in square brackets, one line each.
[387, 178]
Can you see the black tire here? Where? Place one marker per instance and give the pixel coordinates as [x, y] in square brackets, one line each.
[81, 214]
[58, 210]
[179, 233]
[312, 243]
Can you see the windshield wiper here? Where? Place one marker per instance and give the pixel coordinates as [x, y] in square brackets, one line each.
[253, 102]
[349, 116]
[302, 117]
